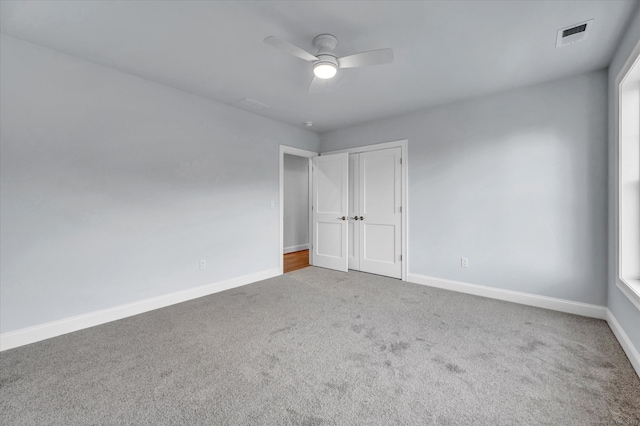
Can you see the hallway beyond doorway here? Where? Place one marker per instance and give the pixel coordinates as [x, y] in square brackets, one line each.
[296, 260]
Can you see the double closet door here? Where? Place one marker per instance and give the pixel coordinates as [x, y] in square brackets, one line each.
[357, 212]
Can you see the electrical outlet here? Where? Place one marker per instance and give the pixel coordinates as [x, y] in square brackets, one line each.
[464, 262]
[203, 264]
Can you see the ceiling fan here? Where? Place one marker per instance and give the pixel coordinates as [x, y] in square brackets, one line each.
[325, 62]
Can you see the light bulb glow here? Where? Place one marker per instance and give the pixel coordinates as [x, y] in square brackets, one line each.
[325, 70]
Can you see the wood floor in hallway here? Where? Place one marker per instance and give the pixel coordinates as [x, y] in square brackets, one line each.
[296, 260]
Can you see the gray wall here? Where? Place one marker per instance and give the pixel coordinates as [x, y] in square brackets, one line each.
[113, 188]
[515, 181]
[296, 202]
[625, 312]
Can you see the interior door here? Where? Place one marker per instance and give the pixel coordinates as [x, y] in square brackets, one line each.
[354, 211]
[380, 216]
[329, 207]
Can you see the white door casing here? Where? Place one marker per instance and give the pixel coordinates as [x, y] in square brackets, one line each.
[380, 212]
[330, 208]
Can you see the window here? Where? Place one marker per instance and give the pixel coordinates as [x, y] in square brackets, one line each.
[628, 200]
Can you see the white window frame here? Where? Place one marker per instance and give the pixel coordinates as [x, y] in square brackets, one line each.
[629, 285]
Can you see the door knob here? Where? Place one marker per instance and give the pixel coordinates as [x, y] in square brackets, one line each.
[361, 218]
[354, 218]
[343, 218]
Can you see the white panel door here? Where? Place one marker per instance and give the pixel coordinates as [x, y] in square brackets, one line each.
[354, 211]
[330, 205]
[380, 218]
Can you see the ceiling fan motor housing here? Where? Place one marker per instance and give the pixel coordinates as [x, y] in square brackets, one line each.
[326, 59]
[325, 43]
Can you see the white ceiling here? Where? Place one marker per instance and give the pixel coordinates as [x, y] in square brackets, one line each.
[444, 50]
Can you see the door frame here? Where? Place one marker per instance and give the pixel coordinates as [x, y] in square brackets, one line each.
[403, 144]
[284, 149]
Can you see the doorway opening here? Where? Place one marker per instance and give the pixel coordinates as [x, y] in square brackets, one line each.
[295, 206]
[296, 260]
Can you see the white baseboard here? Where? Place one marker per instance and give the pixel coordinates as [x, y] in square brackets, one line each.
[296, 248]
[24, 336]
[625, 342]
[561, 305]
[529, 299]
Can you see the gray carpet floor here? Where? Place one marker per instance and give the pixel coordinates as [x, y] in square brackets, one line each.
[318, 347]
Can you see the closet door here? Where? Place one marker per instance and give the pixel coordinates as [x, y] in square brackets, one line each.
[329, 208]
[354, 211]
[380, 214]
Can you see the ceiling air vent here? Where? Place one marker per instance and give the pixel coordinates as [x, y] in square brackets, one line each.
[574, 33]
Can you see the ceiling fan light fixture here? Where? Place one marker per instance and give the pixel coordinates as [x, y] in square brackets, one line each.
[325, 70]
[325, 62]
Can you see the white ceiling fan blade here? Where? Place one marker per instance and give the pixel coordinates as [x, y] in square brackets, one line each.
[324, 85]
[290, 48]
[317, 85]
[372, 57]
